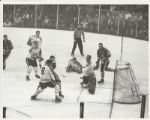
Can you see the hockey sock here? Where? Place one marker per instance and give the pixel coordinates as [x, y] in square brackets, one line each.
[57, 90]
[35, 70]
[102, 75]
[38, 91]
[29, 69]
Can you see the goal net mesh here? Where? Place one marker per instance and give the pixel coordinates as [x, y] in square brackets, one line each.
[125, 88]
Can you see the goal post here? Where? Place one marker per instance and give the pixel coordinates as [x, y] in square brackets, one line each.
[125, 87]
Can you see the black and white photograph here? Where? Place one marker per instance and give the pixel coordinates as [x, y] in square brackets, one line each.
[75, 61]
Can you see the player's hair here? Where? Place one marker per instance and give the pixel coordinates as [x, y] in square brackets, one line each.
[100, 44]
[88, 57]
[37, 31]
[49, 61]
[5, 35]
[52, 56]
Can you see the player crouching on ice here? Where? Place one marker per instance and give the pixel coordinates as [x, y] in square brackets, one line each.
[89, 79]
[74, 66]
[31, 60]
[103, 55]
[49, 79]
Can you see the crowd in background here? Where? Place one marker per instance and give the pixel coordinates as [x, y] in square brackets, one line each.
[122, 20]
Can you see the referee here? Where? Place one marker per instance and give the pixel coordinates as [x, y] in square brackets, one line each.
[77, 40]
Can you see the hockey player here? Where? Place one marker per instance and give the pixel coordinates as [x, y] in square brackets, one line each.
[31, 60]
[77, 40]
[89, 79]
[74, 66]
[7, 47]
[48, 79]
[103, 55]
[57, 79]
[37, 38]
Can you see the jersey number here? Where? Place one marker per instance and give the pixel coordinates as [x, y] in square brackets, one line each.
[42, 71]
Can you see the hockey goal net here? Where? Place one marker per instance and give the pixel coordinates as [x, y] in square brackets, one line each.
[125, 87]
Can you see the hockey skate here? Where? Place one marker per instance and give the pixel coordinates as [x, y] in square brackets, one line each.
[33, 97]
[61, 95]
[58, 100]
[37, 76]
[101, 81]
[27, 78]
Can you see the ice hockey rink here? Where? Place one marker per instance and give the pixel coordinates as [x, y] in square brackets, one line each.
[16, 91]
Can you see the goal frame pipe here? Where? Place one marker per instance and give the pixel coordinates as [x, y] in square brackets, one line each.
[143, 106]
[133, 77]
[113, 94]
[121, 47]
[81, 109]
[4, 112]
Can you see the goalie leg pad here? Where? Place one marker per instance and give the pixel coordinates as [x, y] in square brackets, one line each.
[92, 84]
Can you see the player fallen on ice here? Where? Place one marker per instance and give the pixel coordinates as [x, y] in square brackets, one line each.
[78, 33]
[37, 38]
[31, 60]
[74, 66]
[7, 47]
[103, 56]
[89, 79]
[49, 79]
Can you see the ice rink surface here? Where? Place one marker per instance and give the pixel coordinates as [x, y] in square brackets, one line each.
[17, 91]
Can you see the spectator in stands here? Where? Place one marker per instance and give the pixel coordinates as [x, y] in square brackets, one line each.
[46, 22]
[72, 27]
[75, 21]
[7, 23]
[17, 20]
[84, 24]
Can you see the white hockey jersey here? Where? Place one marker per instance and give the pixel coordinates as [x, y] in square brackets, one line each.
[88, 70]
[46, 75]
[35, 38]
[33, 53]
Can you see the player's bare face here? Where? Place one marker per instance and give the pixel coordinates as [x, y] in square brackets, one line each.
[5, 38]
[100, 46]
[38, 34]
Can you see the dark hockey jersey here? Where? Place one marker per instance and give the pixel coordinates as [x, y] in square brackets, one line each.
[7, 46]
[103, 53]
